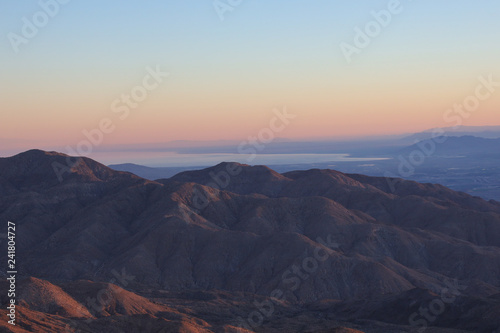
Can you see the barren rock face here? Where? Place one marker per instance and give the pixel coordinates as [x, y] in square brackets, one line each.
[302, 237]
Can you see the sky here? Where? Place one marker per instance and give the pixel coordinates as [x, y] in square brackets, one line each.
[232, 64]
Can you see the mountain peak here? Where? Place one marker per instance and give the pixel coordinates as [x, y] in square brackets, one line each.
[39, 152]
[230, 164]
[36, 167]
[236, 177]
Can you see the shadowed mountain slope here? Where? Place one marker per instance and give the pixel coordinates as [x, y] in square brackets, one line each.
[314, 235]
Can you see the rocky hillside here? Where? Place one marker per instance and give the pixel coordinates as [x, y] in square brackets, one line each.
[356, 251]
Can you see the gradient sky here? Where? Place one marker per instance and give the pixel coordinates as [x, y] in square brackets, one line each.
[227, 76]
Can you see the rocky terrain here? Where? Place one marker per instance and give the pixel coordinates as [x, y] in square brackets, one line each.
[244, 246]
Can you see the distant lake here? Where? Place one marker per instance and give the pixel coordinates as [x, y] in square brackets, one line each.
[171, 159]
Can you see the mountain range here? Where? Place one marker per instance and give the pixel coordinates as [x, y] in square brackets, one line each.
[464, 146]
[463, 163]
[244, 246]
[486, 132]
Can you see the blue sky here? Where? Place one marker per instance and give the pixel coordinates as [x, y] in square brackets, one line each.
[226, 76]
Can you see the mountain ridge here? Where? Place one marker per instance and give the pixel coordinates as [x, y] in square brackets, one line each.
[246, 229]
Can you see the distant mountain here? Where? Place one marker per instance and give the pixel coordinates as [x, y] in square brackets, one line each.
[487, 132]
[149, 172]
[36, 169]
[203, 250]
[469, 146]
